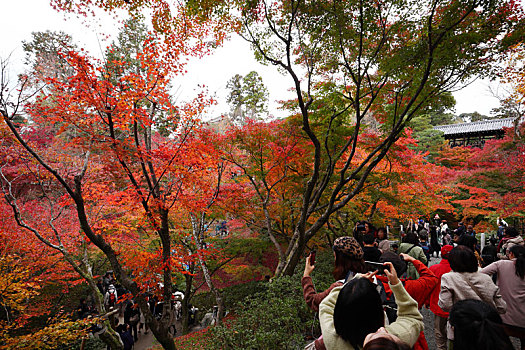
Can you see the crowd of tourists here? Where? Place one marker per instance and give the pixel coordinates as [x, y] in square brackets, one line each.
[125, 314]
[477, 296]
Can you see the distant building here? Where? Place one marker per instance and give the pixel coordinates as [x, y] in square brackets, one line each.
[219, 124]
[476, 133]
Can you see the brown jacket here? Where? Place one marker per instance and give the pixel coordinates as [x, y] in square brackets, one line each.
[313, 299]
[456, 286]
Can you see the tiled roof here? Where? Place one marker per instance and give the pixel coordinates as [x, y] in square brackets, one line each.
[475, 127]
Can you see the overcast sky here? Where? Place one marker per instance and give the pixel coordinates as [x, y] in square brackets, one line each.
[21, 17]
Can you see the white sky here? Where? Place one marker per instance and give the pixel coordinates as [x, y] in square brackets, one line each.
[21, 17]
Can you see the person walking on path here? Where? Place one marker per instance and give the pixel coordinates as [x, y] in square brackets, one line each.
[465, 282]
[510, 238]
[410, 246]
[511, 282]
[382, 240]
[440, 316]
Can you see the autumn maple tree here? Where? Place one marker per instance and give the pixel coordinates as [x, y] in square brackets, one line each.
[105, 163]
[267, 159]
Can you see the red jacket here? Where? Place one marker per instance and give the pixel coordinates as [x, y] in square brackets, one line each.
[420, 290]
[439, 270]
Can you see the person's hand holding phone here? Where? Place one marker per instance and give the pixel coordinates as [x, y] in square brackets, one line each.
[369, 275]
[391, 273]
[308, 268]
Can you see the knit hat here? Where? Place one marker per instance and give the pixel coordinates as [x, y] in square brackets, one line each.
[349, 247]
[445, 250]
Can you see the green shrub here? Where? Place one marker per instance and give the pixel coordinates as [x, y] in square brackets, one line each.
[266, 315]
[231, 295]
[273, 319]
[276, 316]
[92, 343]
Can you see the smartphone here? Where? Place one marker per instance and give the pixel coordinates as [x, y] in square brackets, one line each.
[312, 257]
[380, 267]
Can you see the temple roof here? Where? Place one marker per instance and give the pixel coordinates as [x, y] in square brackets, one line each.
[476, 127]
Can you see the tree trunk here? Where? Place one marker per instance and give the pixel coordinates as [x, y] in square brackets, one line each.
[110, 337]
[293, 258]
[186, 301]
[196, 230]
[282, 258]
[213, 289]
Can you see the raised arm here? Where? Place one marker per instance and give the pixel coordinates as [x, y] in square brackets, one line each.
[409, 322]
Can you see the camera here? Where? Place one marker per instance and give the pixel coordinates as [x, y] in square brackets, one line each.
[373, 266]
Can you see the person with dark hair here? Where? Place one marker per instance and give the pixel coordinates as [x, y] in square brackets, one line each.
[477, 326]
[108, 280]
[370, 229]
[440, 316]
[435, 247]
[465, 282]
[472, 243]
[510, 238]
[124, 332]
[348, 262]
[395, 248]
[511, 281]
[399, 265]
[132, 317]
[411, 247]
[489, 253]
[352, 315]
[419, 289]
[383, 244]
[363, 228]
[470, 231]
[357, 297]
[423, 243]
[370, 250]
[460, 230]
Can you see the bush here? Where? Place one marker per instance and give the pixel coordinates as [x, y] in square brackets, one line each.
[264, 315]
[273, 319]
[232, 296]
[277, 316]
